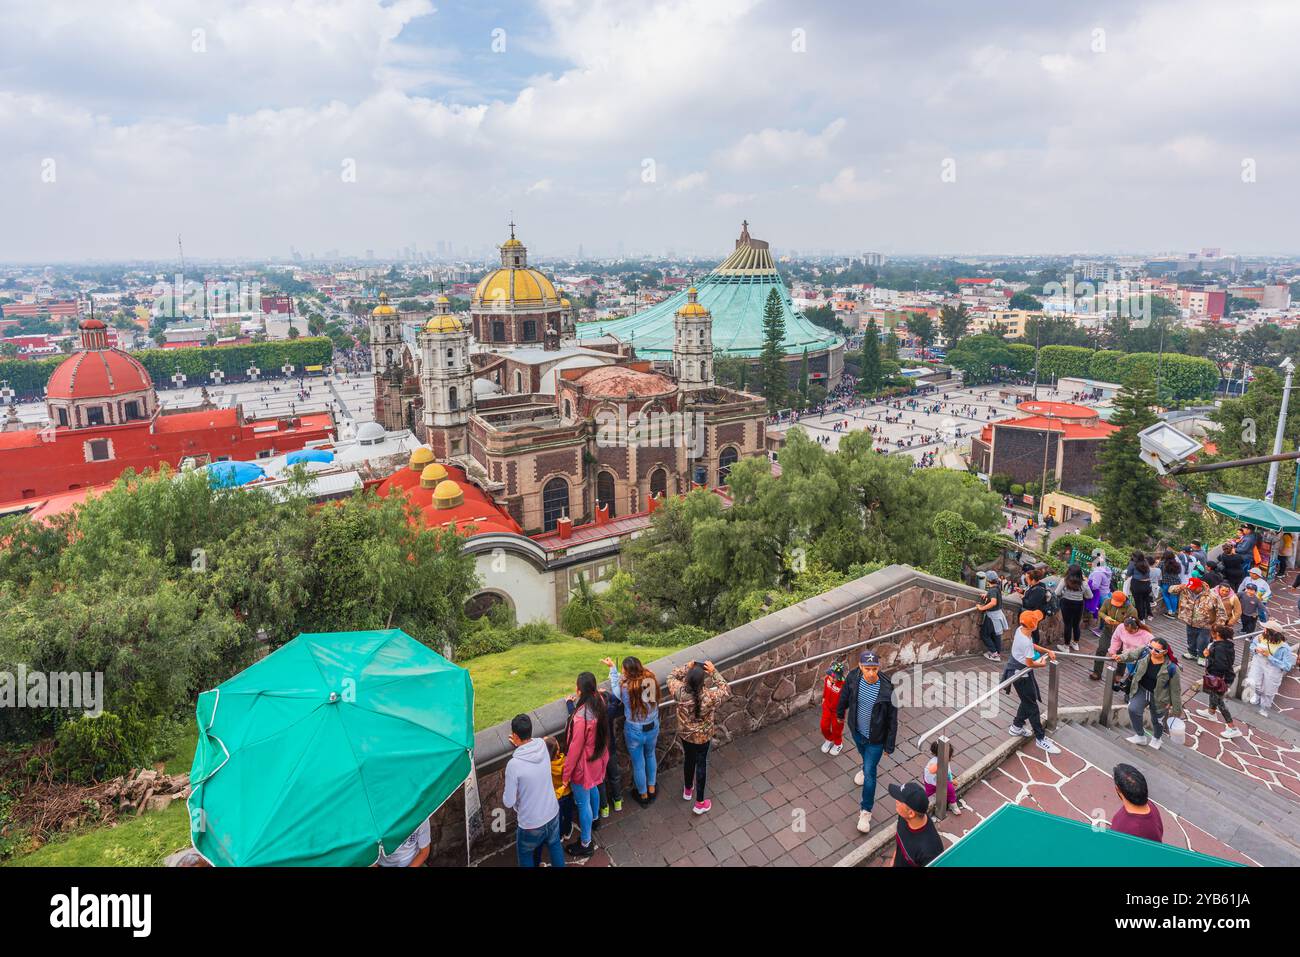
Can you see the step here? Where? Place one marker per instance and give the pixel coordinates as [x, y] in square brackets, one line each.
[1251, 820]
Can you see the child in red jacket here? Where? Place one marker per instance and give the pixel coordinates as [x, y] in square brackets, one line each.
[832, 727]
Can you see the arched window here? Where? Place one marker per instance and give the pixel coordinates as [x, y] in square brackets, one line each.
[452, 399]
[568, 410]
[451, 356]
[605, 492]
[389, 354]
[555, 502]
[498, 331]
[725, 461]
[530, 330]
[658, 483]
[701, 337]
[519, 381]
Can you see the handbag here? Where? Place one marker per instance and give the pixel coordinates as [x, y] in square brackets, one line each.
[1215, 684]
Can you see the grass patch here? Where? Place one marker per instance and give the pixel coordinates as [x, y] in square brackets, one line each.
[514, 681]
[135, 842]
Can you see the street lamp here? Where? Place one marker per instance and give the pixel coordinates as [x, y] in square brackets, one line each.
[1289, 366]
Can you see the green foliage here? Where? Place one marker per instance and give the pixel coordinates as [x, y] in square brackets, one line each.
[771, 369]
[1057, 361]
[486, 638]
[869, 374]
[1104, 365]
[1130, 493]
[1023, 300]
[1000, 483]
[99, 748]
[676, 637]
[1063, 545]
[954, 322]
[1022, 356]
[921, 326]
[980, 358]
[584, 611]
[956, 538]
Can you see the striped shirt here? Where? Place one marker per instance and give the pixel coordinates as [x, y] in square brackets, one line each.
[867, 694]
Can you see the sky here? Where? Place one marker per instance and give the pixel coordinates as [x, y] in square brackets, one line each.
[254, 127]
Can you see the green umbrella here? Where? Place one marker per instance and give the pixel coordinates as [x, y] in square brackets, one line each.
[328, 748]
[1254, 511]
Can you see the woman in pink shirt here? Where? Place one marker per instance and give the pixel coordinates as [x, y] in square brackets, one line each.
[586, 753]
[1129, 634]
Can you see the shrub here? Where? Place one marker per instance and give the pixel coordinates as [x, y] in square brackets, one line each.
[1000, 483]
[684, 635]
[593, 634]
[1017, 489]
[98, 748]
[487, 639]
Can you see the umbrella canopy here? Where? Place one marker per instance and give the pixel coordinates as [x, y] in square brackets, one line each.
[328, 748]
[229, 474]
[1256, 512]
[308, 455]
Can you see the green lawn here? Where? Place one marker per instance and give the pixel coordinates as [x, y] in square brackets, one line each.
[505, 684]
[526, 676]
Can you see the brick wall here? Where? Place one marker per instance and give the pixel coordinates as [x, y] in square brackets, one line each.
[884, 601]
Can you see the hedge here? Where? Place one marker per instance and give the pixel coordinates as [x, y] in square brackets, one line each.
[28, 377]
[1054, 362]
[1183, 377]
[1022, 356]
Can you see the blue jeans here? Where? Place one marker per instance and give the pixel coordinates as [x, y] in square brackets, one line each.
[641, 752]
[1198, 639]
[588, 803]
[530, 841]
[1171, 601]
[870, 758]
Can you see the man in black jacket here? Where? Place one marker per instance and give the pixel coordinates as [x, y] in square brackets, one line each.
[1035, 597]
[868, 701]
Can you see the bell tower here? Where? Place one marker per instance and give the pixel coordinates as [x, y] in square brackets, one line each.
[385, 337]
[693, 344]
[446, 381]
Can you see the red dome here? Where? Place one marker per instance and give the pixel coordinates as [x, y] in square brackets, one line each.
[98, 373]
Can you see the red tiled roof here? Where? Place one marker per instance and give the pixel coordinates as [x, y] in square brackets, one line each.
[1071, 430]
[98, 372]
[617, 382]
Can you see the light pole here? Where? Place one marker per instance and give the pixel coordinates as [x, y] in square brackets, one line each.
[1289, 366]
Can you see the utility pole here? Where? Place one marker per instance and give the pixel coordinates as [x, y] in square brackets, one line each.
[1289, 366]
[1038, 337]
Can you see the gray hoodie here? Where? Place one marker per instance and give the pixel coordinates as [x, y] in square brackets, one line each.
[528, 786]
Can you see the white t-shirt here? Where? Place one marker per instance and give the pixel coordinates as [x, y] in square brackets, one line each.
[1022, 645]
[406, 851]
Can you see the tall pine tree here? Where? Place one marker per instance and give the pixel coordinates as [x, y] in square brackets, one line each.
[869, 361]
[773, 376]
[1130, 492]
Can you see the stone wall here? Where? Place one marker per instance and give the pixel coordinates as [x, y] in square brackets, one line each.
[885, 601]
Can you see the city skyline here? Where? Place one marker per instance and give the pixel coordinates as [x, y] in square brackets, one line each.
[255, 128]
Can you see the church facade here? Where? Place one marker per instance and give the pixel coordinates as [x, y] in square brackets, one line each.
[560, 433]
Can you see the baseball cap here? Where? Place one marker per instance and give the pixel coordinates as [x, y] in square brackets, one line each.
[991, 575]
[1118, 598]
[1274, 627]
[1031, 618]
[1257, 571]
[911, 794]
[869, 658]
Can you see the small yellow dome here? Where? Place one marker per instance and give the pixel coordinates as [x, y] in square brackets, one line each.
[444, 323]
[383, 309]
[692, 309]
[432, 474]
[442, 298]
[420, 458]
[511, 243]
[692, 291]
[448, 495]
[565, 303]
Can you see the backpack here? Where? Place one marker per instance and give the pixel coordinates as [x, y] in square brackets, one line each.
[1053, 603]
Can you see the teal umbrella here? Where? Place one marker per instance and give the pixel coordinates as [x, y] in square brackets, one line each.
[1253, 511]
[332, 747]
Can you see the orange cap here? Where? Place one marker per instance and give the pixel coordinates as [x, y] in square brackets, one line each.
[1118, 598]
[1031, 619]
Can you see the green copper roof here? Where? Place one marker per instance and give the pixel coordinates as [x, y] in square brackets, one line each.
[735, 293]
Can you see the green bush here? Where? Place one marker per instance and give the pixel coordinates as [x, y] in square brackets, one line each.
[1017, 489]
[1000, 483]
[1061, 548]
[684, 635]
[488, 639]
[91, 749]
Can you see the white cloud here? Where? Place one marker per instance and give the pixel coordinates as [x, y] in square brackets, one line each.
[770, 148]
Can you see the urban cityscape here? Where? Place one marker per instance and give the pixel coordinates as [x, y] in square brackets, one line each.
[425, 432]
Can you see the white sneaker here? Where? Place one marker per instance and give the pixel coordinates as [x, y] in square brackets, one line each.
[1074, 646]
[864, 821]
[1263, 712]
[1020, 732]
[826, 746]
[860, 778]
[836, 749]
[1204, 713]
[1230, 733]
[1048, 745]
[954, 809]
[1155, 744]
[1138, 739]
[1062, 647]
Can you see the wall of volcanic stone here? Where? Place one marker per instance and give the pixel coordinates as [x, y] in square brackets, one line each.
[884, 601]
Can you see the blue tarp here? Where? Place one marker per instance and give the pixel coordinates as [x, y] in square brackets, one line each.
[229, 474]
[308, 455]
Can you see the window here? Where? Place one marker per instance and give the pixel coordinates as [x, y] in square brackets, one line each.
[265, 454]
[498, 331]
[99, 450]
[519, 381]
[63, 416]
[568, 409]
[95, 415]
[451, 356]
[555, 502]
[452, 402]
[605, 492]
[131, 410]
[530, 330]
[658, 483]
[725, 461]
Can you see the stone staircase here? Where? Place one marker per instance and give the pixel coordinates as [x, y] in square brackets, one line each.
[1245, 814]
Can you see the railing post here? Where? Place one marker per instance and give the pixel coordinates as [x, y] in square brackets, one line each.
[1241, 670]
[941, 778]
[1107, 693]
[1053, 692]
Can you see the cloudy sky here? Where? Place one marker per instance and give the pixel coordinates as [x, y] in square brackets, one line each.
[254, 126]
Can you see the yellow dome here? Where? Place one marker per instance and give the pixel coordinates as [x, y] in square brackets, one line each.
[448, 495]
[692, 309]
[442, 298]
[383, 309]
[514, 286]
[565, 303]
[444, 323]
[432, 474]
[511, 243]
[692, 291]
[420, 458]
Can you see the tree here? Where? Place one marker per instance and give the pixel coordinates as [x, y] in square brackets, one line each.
[1023, 300]
[954, 323]
[921, 327]
[1130, 490]
[869, 371]
[772, 371]
[979, 358]
[890, 350]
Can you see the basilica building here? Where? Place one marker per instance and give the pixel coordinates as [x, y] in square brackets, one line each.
[556, 432]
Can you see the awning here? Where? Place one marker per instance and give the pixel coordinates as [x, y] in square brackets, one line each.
[1253, 511]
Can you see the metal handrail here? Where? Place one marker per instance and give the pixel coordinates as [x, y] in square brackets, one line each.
[978, 700]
